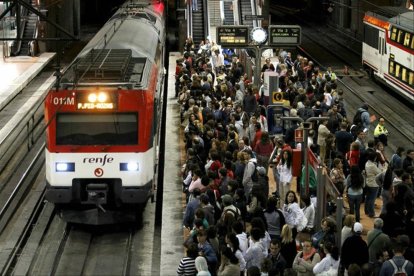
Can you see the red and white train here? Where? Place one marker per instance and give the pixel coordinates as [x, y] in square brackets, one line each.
[388, 49]
[103, 120]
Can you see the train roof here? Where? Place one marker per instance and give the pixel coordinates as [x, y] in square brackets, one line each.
[400, 16]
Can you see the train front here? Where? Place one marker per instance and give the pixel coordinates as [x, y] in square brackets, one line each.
[100, 155]
[103, 123]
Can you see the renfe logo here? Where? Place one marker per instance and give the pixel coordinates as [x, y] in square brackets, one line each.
[99, 160]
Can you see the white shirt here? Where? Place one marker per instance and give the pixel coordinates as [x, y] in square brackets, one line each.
[325, 264]
[293, 214]
[309, 213]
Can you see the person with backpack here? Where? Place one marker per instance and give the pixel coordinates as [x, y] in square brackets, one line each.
[250, 174]
[362, 118]
[398, 265]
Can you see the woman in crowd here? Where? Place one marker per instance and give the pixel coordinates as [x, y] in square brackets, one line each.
[309, 213]
[201, 266]
[352, 156]
[288, 249]
[347, 228]
[293, 214]
[234, 244]
[337, 175]
[274, 218]
[371, 171]
[264, 149]
[187, 264]
[306, 259]
[330, 263]
[229, 265]
[257, 199]
[355, 183]
[326, 234]
[381, 158]
[284, 169]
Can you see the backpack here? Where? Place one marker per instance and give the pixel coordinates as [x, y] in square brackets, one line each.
[357, 120]
[399, 271]
[255, 176]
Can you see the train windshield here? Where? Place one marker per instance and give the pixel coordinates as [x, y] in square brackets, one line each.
[97, 129]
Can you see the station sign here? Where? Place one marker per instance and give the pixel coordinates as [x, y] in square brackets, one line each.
[284, 35]
[277, 97]
[233, 36]
[253, 17]
[299, 135]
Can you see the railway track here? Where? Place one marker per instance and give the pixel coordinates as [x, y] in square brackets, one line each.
[34, 240]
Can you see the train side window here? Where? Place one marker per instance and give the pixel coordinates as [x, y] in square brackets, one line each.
[411, 78]
[393, 34]
[397, 70]
[404, 76]
[407, 39]
[391, 67]
[400, 36]
[412, 42]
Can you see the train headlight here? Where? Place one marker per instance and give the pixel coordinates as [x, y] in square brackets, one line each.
[102, 97]
[92, 98]
[131, 166]
[65, 167]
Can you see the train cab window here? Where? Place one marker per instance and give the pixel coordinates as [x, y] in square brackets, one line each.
[393, 34]
[407, 39]
[97, 129]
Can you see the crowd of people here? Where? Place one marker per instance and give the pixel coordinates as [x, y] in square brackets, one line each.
[236, 224]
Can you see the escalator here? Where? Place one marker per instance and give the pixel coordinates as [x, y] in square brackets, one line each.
[228, 13]
[27, 24]
[199, 22]
[245, 8]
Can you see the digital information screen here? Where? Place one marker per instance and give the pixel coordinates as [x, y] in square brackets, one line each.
[286, 35]
[229, 36]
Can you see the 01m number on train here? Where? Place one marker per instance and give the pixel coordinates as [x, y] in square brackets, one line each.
[64, 101]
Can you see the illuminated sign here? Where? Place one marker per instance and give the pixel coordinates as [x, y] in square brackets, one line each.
[95, 105]
[284, 35]
[229, 36]
[96, 101]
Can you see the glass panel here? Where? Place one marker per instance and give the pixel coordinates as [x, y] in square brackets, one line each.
[397, 70]
[97, 129]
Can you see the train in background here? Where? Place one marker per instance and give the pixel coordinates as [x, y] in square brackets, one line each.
[103, 120]
[388, 49]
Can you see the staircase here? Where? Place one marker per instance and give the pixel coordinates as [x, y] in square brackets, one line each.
[198, 23]
[228, 13]
[245, 9]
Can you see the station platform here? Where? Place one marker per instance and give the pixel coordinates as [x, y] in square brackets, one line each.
[172, 232]
[17, 72]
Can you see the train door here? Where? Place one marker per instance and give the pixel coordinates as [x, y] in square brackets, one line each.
[382, 54]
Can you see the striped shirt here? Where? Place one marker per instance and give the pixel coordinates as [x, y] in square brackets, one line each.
[187, 267]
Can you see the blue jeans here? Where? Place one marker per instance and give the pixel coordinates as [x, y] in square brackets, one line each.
[370, 196]
[354, 205]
